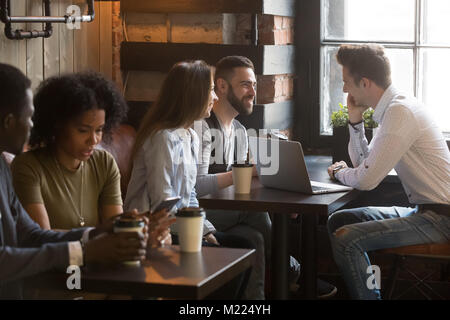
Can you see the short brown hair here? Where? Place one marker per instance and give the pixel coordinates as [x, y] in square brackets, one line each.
[368, 61]
[225, 66]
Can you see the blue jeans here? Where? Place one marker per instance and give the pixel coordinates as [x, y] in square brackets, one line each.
[354, 232]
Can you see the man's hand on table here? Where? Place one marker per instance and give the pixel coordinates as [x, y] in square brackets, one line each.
[210, 238]
[335, 168]
[111, 248]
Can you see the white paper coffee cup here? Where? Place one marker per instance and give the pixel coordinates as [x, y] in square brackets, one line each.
[129, 225]
[242, 177]
[190, 229]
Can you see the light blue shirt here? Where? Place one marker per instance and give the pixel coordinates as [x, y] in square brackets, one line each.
[166, 166]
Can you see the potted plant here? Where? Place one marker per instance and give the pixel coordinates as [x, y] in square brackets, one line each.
[369, 124]
[341, 136]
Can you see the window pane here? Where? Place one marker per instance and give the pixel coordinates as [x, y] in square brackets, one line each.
[402, 68]
[369, 20]
[436, 23]
[434, 86]
[331, 88]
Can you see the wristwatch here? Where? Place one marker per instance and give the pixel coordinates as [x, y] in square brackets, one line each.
[355, 124]
[339, 167]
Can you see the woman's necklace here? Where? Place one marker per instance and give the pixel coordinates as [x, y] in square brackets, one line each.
[78, 212]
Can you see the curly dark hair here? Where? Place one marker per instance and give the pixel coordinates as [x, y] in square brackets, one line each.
[60, 99]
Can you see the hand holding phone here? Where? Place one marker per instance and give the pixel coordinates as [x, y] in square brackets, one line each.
[168, 204]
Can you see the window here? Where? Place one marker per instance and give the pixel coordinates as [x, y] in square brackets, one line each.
[416, 36]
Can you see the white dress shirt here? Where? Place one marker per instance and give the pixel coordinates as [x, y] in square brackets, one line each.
[407, 140]
[76, 249]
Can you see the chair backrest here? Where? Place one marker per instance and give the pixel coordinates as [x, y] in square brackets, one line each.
[120, 146]
[441, 250]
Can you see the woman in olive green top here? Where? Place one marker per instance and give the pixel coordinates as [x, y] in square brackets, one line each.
[64, 182]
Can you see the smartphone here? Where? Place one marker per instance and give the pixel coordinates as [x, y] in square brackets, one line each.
[168, 204]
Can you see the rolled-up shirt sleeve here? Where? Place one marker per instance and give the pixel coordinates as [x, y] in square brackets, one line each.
[206, 183]
[392, 141]
[358, 148]
[160, 169]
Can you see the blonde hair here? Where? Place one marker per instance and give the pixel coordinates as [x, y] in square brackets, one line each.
[182, 100]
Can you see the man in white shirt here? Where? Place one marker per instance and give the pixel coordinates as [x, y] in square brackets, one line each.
[407, 140]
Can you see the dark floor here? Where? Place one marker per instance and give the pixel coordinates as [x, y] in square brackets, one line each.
[404, 289]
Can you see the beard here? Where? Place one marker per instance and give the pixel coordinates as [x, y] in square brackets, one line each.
[239, 105]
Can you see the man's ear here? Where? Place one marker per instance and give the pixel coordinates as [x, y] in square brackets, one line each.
[365, 82]
[221, 85]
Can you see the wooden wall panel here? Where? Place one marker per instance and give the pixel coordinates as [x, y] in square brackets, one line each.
[14, 52]
[51, 45]
[93, 40]
[66, 41]
[105, 38]
[273, 7]
[84, 38]
[34, 49]
[192, 6]
[66, 50]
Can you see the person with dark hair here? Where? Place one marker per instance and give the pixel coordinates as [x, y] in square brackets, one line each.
[407, 140]
[224, 141]
[64, 168]
[26, 249]
[212, 176]
[17, 108]
[166, 149]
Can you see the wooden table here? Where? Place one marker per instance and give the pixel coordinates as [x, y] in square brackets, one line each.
[281, 203]
[166, 273]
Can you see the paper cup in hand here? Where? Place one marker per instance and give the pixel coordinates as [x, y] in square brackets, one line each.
[242, 177]
[190, 228]
[129, 225]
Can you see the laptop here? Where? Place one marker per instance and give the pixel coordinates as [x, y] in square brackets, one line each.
[281, 165]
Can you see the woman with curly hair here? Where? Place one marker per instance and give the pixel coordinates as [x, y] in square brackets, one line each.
[64, 181]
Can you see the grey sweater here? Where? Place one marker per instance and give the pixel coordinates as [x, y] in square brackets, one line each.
[206, 182]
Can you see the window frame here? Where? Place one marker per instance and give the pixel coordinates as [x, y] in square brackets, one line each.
[308, 66]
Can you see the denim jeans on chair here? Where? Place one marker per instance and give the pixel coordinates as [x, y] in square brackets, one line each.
[373, 228]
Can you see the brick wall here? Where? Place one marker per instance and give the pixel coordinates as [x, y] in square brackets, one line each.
[205, 28]
[275, 30]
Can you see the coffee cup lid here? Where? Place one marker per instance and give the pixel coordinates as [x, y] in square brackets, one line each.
[128, 223]
[190, 212]
[242, 165]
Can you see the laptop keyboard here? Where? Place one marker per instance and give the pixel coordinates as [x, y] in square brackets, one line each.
[319, 189]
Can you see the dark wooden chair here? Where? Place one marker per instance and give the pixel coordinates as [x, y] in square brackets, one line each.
[120, 146]
[438, 252]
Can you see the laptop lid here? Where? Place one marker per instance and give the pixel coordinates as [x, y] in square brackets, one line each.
[280, 164]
